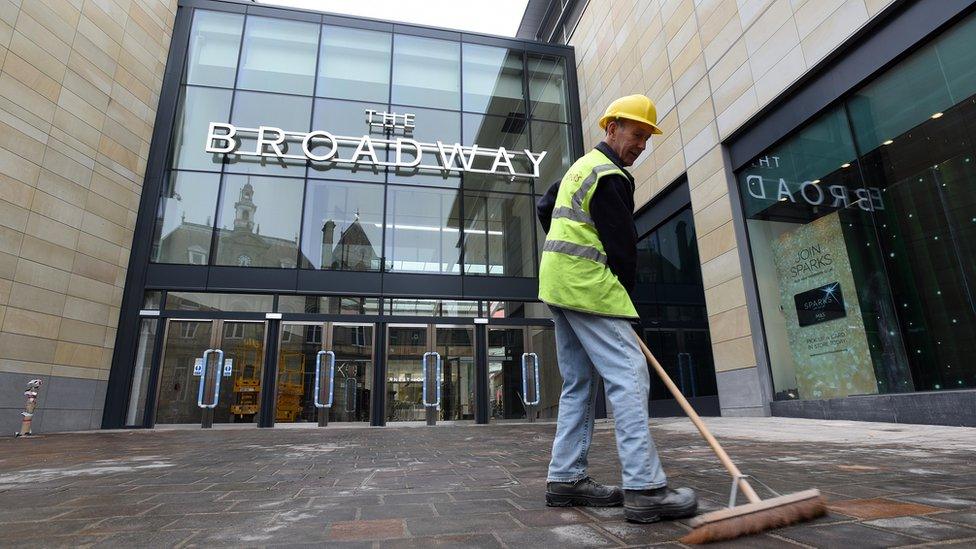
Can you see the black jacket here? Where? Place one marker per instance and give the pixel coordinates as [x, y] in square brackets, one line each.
[612, 210]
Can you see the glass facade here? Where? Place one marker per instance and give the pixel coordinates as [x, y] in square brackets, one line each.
[861, 227]
[243, 209]
[272, 255]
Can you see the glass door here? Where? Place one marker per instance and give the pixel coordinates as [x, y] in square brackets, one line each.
[542, 343]
[225, 357]
[505, 348]
[512, 390]
[185, 342]
[344, 388]
[353, 348]
[407, 345]
[455, 345]
[404, 375]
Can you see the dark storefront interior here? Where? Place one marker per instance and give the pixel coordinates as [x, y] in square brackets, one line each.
[879, 186]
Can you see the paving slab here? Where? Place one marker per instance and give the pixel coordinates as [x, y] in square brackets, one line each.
[466, 486]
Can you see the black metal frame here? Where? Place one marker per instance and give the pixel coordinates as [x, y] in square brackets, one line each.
[143, 275]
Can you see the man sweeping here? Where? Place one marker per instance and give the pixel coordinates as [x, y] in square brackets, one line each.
[588, 269]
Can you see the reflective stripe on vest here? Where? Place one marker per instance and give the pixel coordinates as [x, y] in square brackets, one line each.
[578, 250]
[562, 212]
[587, 183]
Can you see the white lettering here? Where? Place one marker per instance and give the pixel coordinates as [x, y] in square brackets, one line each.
[863, 200]
[784, 191]
[839, 192]
[227, 138]
[456, 150]
[273, 143]
[322, 146]
[319, 135]
[365, 148]
[811, 185]
[876, 201]
[750, 179]
[535, 160]
[502, 158]
[400, 142]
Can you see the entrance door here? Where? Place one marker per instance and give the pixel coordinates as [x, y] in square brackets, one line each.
[346, 385]
[686, 355]
[506, 384]
[237, 398]
[408, 343]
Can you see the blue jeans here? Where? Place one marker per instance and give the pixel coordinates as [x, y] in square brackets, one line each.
[588, 346]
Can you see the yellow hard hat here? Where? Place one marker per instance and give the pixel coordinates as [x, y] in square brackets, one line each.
[632, 107]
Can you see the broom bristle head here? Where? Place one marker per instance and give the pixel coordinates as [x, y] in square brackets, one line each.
[754, 518]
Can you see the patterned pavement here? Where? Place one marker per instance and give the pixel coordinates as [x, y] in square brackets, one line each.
[458, 486]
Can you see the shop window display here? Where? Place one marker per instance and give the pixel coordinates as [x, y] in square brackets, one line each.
[861, 227]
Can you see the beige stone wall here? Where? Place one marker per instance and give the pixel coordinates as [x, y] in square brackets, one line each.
[709, 65]
[79, 85]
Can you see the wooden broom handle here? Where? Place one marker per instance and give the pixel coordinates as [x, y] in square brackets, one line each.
[716, 447]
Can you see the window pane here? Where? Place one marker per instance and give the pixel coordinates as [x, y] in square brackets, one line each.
[679, 250]
[926, 233]
[347, 118]
[431, 307]
[354, 64]
[184, 223]
[285, 112]
[151, 299]
[279, 55]
[958, 57]
[345, 305]
[422, 230]
[492, 80]
[904, 97]
[140, 372]
[343, 226]
[548, 88]
[199, 301]
[432, 126]
[831, 327]
[426, 72]
[816, 163]
[198, 108]
[517, 309]
[554, 139]
[259, 221]
[215, 40]
[498, 234]
[493, 132]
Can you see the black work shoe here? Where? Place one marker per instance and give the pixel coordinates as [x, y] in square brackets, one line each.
[585, 492]
[659, 504]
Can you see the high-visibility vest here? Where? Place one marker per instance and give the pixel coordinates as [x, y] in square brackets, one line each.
[573, 272]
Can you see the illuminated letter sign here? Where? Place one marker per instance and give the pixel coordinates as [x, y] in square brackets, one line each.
[322, 146]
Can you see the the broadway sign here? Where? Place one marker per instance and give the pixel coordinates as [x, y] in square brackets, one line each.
[322, 146]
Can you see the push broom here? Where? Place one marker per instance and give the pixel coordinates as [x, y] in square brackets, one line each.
[754, 517]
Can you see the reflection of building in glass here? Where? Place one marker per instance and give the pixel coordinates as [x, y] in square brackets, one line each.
[242, 245]
[353, 252]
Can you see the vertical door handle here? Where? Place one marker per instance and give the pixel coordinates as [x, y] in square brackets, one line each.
[318, 378]
[437, 380]
[525, 381]
[218, 373]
